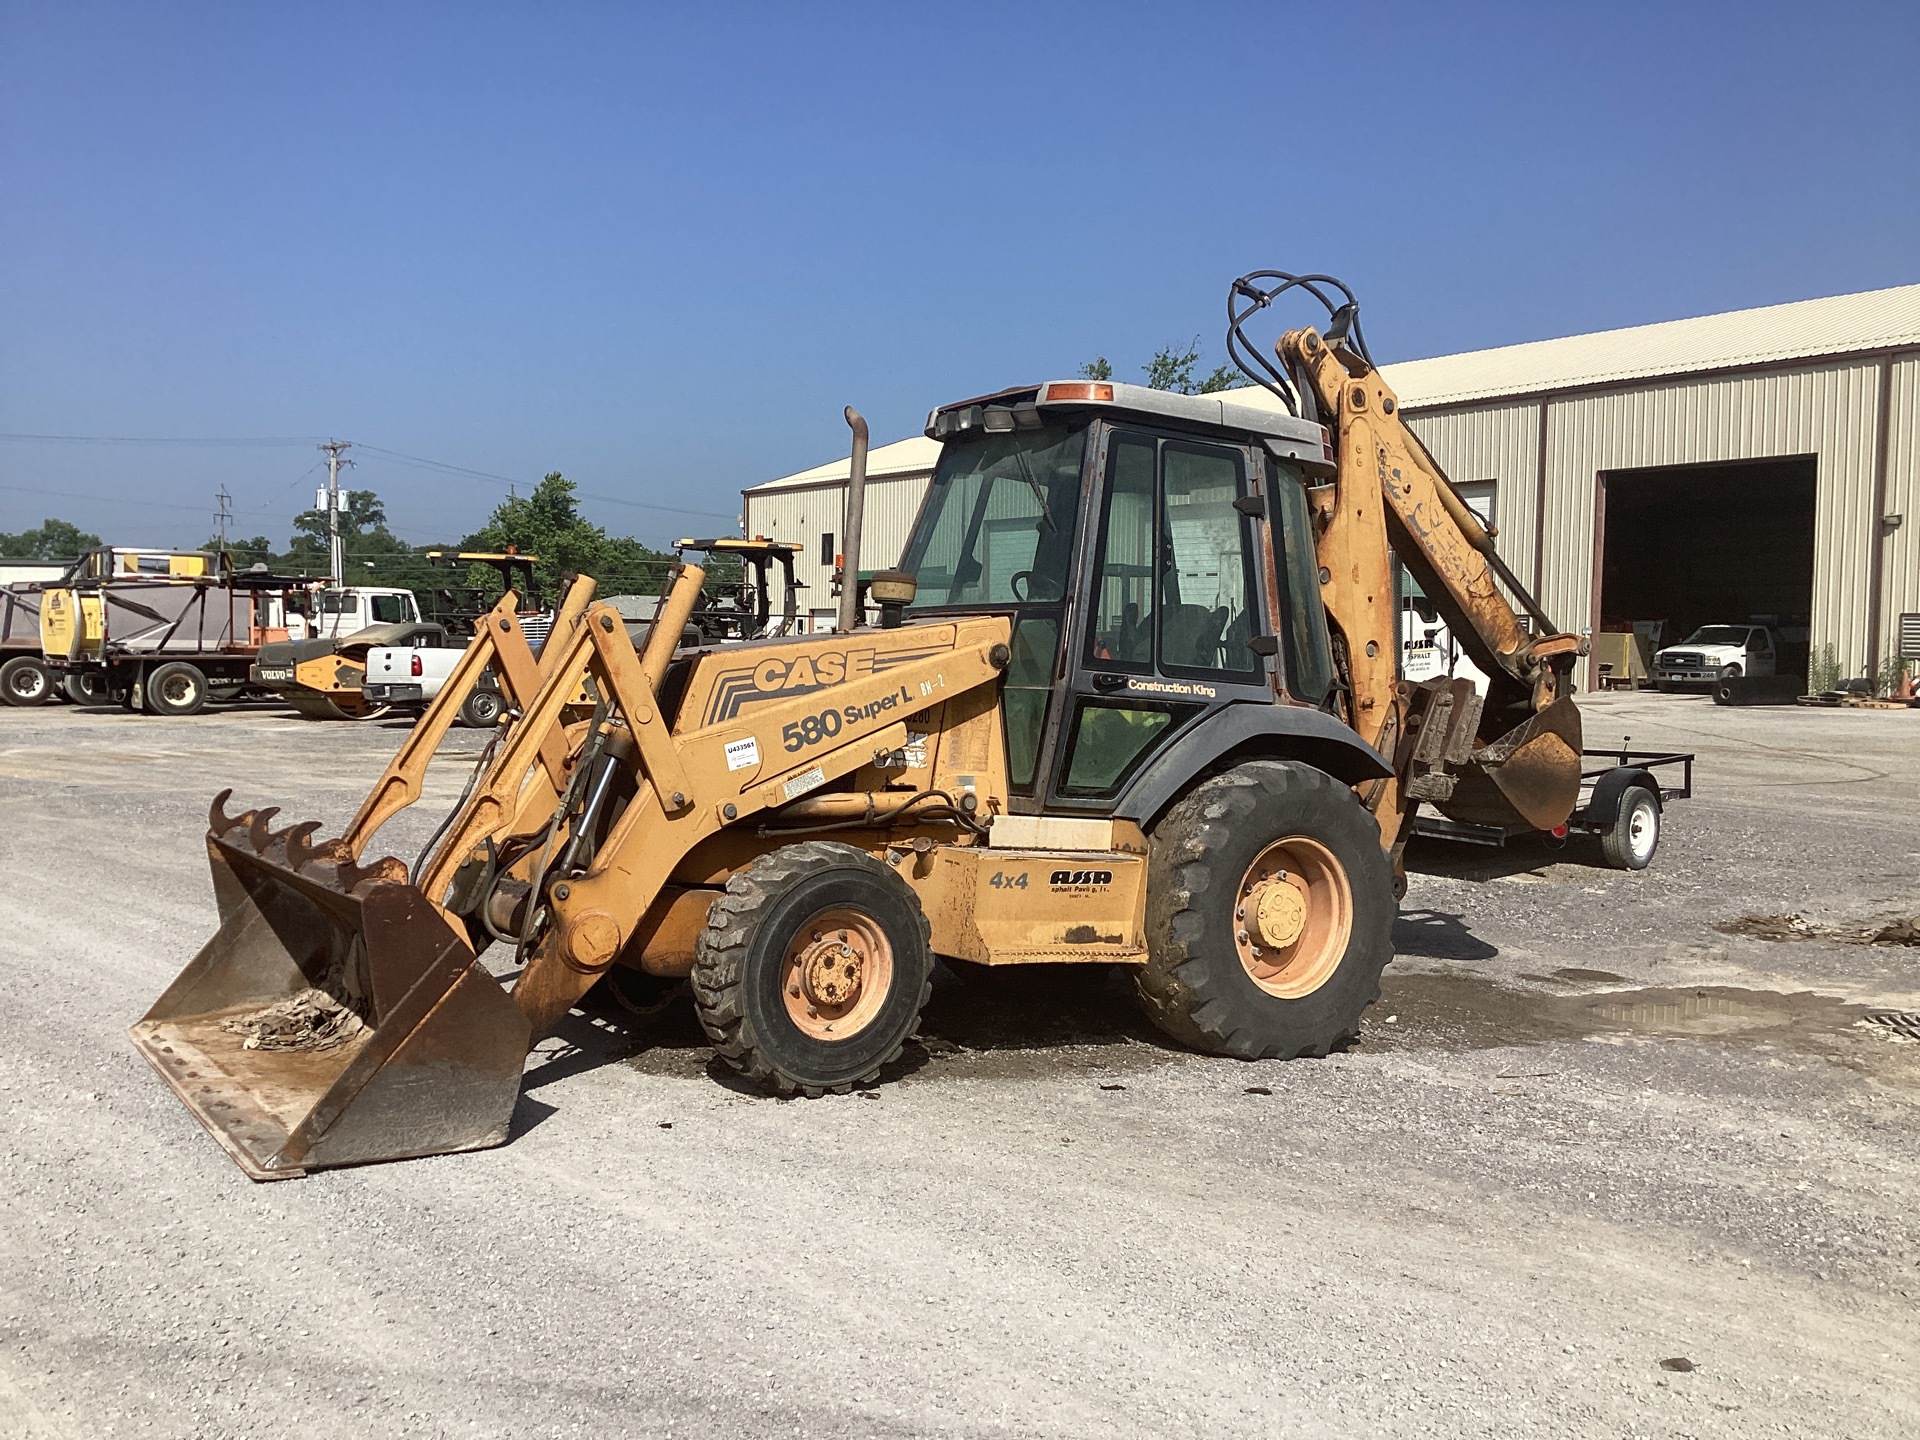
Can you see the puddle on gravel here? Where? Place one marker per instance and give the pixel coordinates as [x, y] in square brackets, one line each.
[1468, 1012]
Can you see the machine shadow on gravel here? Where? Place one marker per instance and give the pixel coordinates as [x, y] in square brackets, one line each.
[1438, 935]
[1047, 1016]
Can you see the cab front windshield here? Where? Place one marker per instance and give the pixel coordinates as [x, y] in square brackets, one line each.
[997, 527]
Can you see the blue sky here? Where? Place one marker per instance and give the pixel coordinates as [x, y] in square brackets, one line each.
[659, 247]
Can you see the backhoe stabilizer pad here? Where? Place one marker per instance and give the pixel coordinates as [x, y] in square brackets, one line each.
[428, 1062]
[1526, 779]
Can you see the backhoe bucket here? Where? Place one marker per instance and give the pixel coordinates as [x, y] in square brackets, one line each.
[1527, 779]
[336, 1017]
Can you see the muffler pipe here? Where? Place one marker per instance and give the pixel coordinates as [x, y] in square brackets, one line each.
[849, 616]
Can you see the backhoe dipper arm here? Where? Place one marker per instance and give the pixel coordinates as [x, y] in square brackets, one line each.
[1509, 759]
[1441, 542]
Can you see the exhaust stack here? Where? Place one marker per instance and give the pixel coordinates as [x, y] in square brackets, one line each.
[849, 616]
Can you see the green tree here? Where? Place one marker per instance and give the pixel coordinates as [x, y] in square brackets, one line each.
[53, 540]
[548, 523]
[1172, 368]
[257, 549]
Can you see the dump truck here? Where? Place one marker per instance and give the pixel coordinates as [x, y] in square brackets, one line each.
[1131, 700]
[324, 676]
[160, 631]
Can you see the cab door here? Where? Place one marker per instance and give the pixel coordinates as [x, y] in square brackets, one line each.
[1172, 606]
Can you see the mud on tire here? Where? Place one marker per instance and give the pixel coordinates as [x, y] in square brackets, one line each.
[1195, 985]
[746, 977]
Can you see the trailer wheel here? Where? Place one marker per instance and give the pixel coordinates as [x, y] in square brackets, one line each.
[175, 688]
[1270, 909]
[85, 687]
[24, 680]
[1629, 843]
[812, 969]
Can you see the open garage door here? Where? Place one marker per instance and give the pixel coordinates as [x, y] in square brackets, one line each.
[1692, 545]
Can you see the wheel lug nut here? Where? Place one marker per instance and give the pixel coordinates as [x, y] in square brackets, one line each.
[794, 991]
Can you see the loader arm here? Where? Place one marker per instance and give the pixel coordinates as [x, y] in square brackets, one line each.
[1509, 758]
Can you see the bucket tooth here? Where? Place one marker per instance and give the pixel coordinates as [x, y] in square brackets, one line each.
[299, 852]
[387, 870]
[257, 830]
[218, 821]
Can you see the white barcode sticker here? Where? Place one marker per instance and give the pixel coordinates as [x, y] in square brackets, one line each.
[743, 754]
[803, 782]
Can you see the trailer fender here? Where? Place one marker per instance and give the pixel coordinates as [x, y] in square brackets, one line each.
[1603, 807]
[1249, 732]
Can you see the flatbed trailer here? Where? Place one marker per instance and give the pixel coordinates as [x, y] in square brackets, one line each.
[1609, 807]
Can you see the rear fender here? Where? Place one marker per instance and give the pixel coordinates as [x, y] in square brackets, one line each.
[1603, 808]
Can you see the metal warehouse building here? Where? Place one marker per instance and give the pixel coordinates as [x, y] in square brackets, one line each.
[1759, 465]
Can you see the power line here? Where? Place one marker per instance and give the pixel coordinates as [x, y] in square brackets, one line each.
[46, 494]
[214, 440]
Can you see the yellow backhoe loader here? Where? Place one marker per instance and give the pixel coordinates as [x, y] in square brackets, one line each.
[1131, 698]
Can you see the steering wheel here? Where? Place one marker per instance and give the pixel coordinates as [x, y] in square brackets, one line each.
[1021, 582]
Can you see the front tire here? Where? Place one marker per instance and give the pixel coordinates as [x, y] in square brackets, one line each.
[812, 969]
[1731, 672]
[25, 680]
[1629, 843]
[344, 705]
[1270, 909]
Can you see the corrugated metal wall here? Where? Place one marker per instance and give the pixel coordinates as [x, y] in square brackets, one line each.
[803, 515]
[1900, 555]
[1827, 411]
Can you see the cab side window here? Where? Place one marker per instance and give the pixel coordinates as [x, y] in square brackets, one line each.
[1121, 634]
[389, 609]
[1206, 563]
[1173, 579]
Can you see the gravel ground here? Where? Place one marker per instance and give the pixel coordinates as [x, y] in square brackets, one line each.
[1586, 1133]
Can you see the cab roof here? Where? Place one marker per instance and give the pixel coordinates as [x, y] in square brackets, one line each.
[1022, 407]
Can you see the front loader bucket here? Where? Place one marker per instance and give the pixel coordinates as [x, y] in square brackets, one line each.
[1527, 779]
[336, 1017]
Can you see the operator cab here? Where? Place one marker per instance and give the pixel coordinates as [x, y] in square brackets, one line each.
[1181, 521]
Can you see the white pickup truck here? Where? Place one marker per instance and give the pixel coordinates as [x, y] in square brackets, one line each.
[407, 677]
[1717, 652]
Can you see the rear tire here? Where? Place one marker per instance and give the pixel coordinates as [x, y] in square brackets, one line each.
[25, 680]
[1270, 909]
[808, 940]
[175, 688]
[1629, 843]
[482, 709]
[85, 687]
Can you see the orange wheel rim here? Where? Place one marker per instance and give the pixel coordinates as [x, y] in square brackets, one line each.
[1293, 917]
[837, 974]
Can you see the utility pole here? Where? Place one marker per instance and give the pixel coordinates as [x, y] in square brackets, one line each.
[224, 514]
[330, 502]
